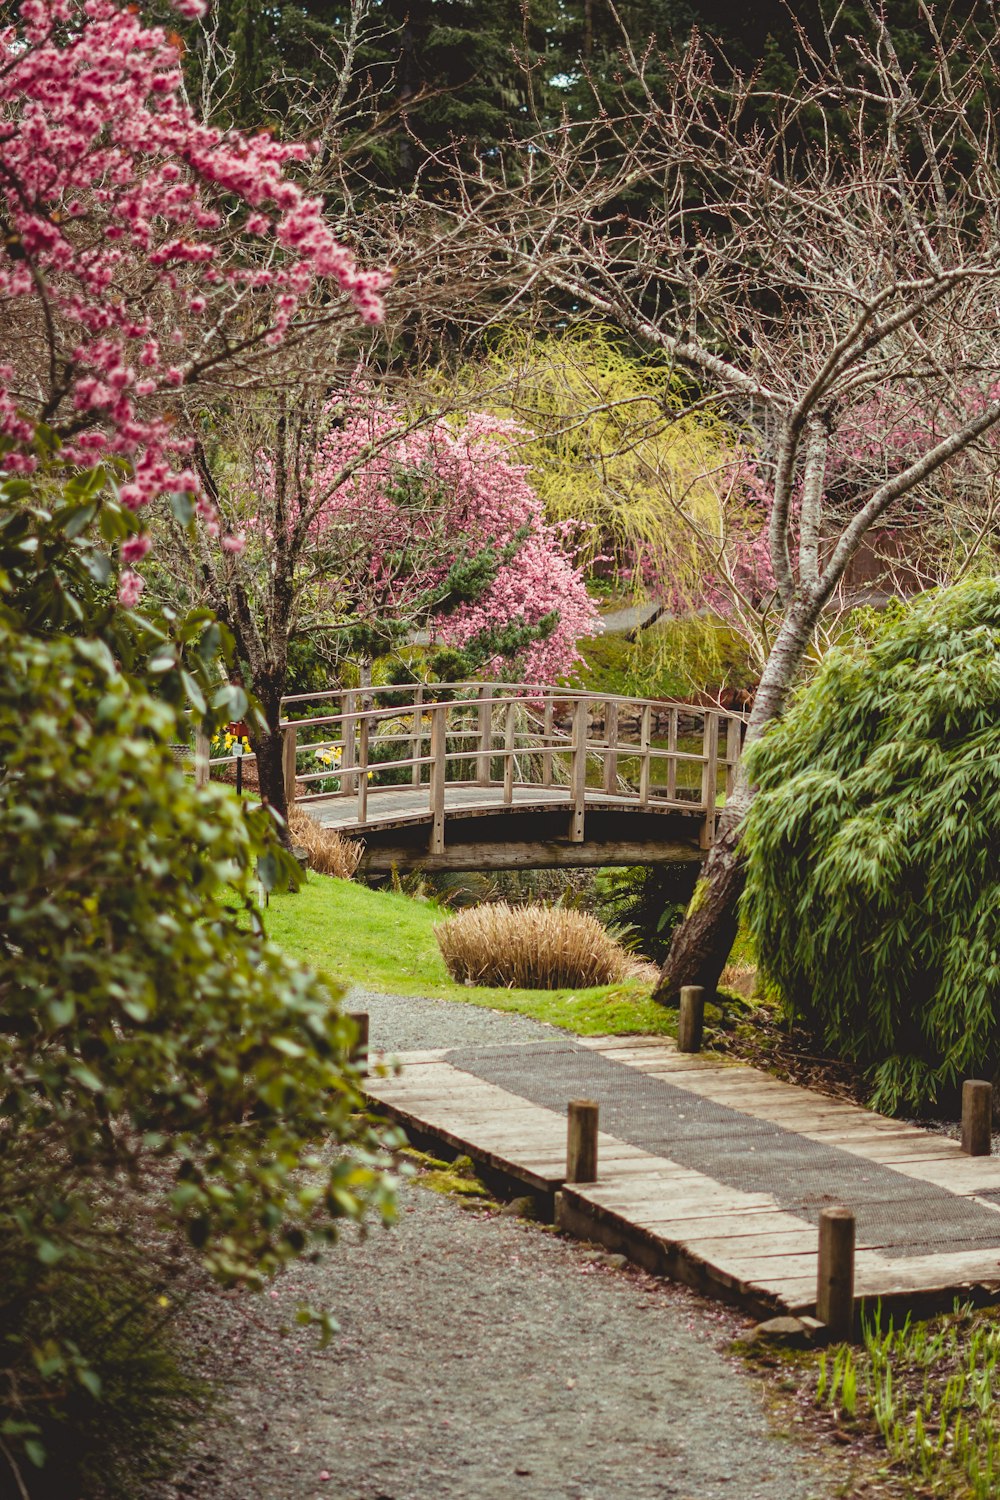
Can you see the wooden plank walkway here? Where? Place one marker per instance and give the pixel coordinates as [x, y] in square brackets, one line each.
[712, 1172]
[394, 807]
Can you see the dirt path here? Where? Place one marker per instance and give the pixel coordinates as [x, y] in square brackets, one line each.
[482, 1358]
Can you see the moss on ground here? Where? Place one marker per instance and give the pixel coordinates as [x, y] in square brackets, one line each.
[668, 660]
[454, 1178]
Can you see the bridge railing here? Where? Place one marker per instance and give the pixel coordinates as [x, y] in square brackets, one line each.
[362, 742]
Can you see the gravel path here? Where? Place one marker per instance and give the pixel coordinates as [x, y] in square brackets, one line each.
[481, 1358]
[406, 1025]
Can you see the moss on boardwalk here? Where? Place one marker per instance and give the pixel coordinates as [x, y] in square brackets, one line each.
[384, 941]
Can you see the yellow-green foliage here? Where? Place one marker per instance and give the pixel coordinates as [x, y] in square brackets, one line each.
[545, 947]
[671, 659]
[612, 452]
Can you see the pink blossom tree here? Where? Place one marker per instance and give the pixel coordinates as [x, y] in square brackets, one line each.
[143, 252]
[438, 527]
[365, 522]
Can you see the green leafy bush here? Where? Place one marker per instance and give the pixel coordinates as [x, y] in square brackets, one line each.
[138, 1015]
[645, 903]
[109, 1398]
[166, 1073]
[873, 874]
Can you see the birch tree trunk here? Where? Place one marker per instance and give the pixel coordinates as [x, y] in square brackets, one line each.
[831, 289]
[702, 941]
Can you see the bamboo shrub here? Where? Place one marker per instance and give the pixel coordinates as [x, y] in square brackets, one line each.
[532, 947]
[873, 849]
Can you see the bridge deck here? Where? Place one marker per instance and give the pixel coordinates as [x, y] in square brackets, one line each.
[715, 1173]
[395, 807]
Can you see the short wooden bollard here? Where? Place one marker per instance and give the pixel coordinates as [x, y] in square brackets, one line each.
[691, 1021]
[977, 1117]
[359, 1052]
[835, 1274]
[581, 1141]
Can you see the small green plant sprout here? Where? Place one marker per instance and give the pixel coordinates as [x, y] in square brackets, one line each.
[929, 1390]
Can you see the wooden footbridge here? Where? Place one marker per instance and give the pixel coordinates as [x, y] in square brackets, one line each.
[477, 775]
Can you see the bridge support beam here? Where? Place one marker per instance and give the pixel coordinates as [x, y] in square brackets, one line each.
[525, 856]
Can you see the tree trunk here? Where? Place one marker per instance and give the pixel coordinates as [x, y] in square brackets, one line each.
[270, 764]
[701, 942]
[365, 683]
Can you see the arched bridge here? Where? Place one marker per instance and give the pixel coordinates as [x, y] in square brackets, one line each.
[477, 776]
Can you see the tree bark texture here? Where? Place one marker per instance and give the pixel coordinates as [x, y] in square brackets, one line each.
[270, 767]
[701, 942]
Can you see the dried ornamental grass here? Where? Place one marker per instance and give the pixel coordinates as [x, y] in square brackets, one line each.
[532, 947]
[330, 853]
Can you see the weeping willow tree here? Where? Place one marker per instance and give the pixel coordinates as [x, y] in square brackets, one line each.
[873, 850]
[655, 493]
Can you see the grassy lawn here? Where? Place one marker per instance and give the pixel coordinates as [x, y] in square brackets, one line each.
[385, 941]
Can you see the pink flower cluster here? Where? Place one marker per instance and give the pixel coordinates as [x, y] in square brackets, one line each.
[427, 497]
[133, 231]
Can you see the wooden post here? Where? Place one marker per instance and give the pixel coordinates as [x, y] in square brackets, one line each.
[417, 737]
[348, 757]
[363, 726]
[581, 1141]
[288, 760]
[485, 756]
[611, 741]
[672, 762]
[734, 728]
[977, 1117]
[439, 731]
[359, 1052]
[691, 1018]
[547, 727]
[508, 752]
[578, 774]
[709, 778]
[202, 755]
[645, 759]
[835, 1273]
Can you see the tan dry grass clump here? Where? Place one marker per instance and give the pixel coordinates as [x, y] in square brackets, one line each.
[740, 979]
[532, 947]
[330, 853]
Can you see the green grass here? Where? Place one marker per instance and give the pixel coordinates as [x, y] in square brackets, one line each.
[384, 941]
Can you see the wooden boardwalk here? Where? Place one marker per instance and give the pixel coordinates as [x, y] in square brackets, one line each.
[714, 1173]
